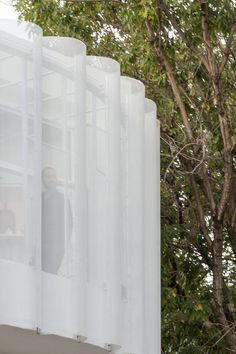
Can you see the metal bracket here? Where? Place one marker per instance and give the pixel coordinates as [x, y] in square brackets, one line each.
[79, 338]
[111, 347]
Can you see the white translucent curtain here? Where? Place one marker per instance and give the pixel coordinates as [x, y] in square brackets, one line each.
[20, 214]
[63, 186]
[79, 195]
[104, 199]
[152, 242]
[132, 99]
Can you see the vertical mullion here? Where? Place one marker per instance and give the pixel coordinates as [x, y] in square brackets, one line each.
[66, 155]
[24, 104]
[37, 185]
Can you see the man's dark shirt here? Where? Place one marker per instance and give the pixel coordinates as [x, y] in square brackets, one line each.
[53, 229]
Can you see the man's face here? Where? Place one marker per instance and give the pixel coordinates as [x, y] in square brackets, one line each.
[49, 179]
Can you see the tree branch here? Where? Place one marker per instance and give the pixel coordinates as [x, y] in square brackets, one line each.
[227, 47]
[225, 133]
[164, 63]
[173, 20]
[206, 38]
[177, 94]
[227, 142]
[200, 211]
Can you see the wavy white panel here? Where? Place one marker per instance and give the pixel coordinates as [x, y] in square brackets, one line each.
[63, 187]
[152, 297]
[104, 199]
[132, 92]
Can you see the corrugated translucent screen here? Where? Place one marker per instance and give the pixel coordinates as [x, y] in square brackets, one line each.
[79, 195]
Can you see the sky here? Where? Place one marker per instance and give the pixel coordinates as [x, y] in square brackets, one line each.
[7, 10]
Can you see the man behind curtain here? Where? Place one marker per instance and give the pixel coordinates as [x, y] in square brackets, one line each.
[53, 222]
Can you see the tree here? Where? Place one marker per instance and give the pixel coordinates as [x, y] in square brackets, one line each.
[185, 53]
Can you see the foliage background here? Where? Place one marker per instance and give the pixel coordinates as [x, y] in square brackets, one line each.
[185, 53]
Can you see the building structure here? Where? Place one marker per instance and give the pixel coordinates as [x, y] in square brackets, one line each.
[79, 201]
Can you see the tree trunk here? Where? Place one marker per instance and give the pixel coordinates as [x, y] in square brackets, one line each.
[219, 301]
